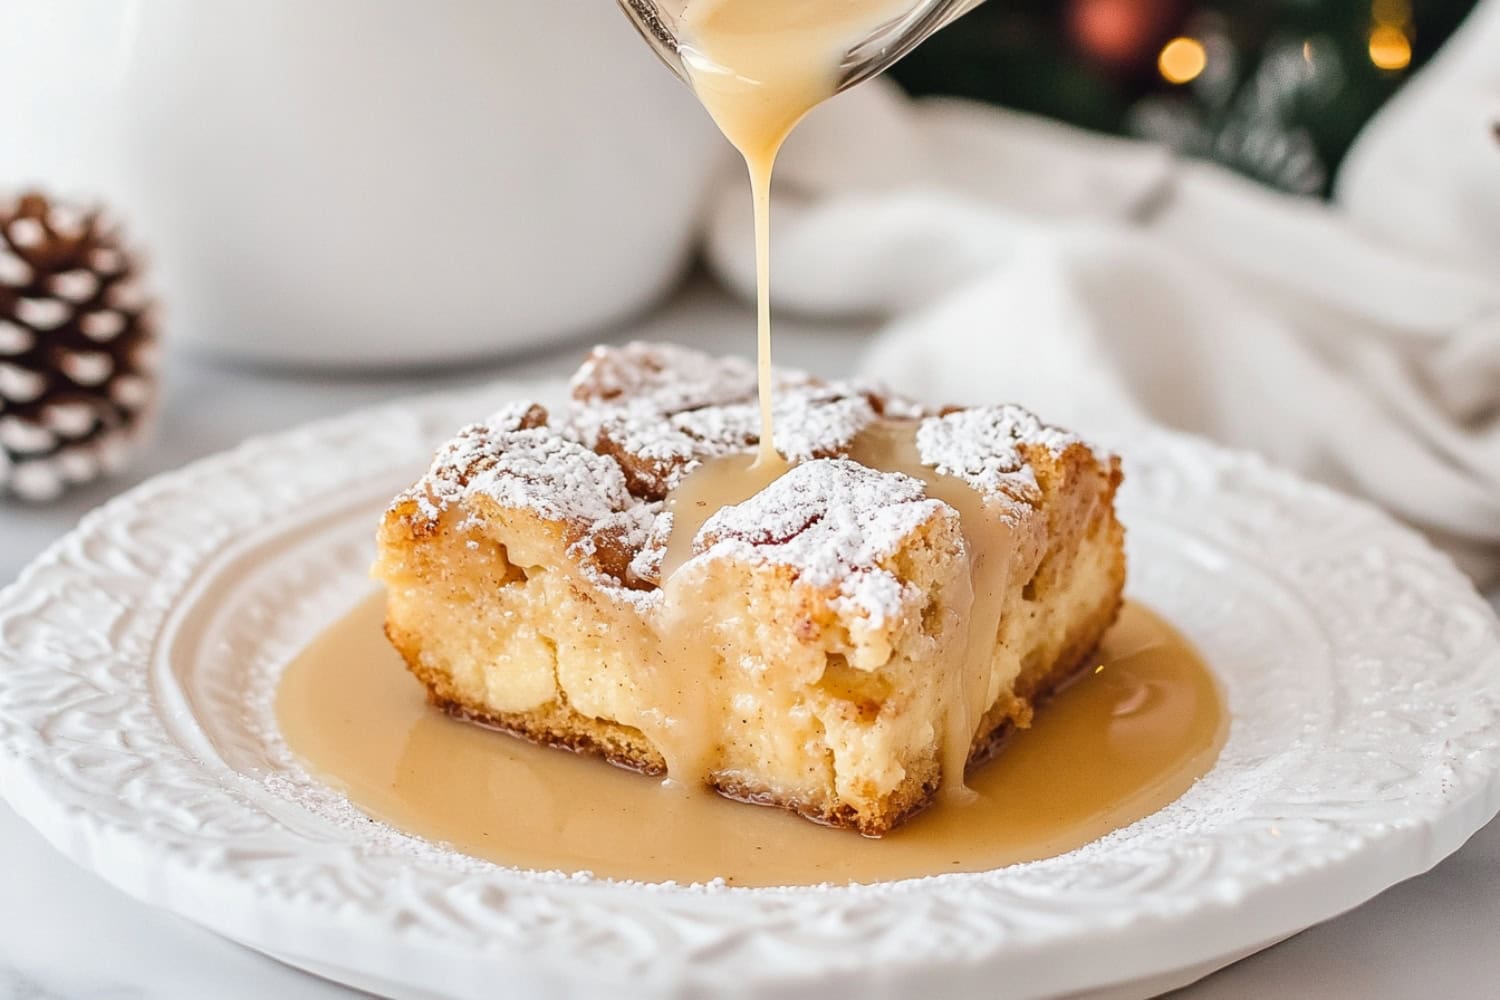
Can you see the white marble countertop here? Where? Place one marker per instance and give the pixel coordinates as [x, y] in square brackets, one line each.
[65, 935]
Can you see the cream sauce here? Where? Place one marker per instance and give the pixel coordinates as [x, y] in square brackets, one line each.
[759, 66]
[1125, 740]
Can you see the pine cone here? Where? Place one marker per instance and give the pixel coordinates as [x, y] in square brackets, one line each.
[77, 348]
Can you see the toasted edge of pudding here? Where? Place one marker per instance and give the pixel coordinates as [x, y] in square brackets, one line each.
[806, 642]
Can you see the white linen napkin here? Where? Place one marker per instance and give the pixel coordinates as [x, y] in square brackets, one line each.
[1425, 172]
[1102, 282]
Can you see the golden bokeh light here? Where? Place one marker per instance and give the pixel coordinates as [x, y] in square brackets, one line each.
[1390, 49]
[1182, 60]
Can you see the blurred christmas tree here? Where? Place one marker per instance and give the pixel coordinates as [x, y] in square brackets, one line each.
[1276, 89]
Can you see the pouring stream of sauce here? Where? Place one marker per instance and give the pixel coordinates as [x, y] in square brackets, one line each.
[1128, 738]
[759, 66]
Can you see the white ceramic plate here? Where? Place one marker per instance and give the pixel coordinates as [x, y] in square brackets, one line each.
[139, 655]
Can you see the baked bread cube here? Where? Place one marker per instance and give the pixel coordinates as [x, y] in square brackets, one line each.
[803, 655]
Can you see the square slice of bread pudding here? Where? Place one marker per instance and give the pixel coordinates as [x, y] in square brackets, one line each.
[841, 644]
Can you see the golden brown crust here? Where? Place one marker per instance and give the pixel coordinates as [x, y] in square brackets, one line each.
[1035, 691]
[558, 725]
[512, 604]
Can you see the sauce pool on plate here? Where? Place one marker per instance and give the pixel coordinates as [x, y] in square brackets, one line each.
[1131, 735]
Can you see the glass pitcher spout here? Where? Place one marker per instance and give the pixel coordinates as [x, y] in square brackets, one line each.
[658, 23]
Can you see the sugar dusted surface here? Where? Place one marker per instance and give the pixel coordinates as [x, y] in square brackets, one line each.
[518, 462]
[642, 417]
[981, 446]
[669, 378]
[834, 521]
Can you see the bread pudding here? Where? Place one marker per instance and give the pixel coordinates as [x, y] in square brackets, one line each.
[840, 644]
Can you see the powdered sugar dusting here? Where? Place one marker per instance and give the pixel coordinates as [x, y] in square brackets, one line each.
[519, 462]
[646, 564]
[835, 522]
[644, 416]
[668, 377]
[820, 421]
[982, 447]
[812, 420]
[662, 411]
[622, 551]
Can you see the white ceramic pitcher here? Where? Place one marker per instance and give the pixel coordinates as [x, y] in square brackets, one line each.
[365, 182]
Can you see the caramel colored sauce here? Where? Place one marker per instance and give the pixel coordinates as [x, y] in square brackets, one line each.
[679, 689]
[718, 483]
[993, 551]
[759, 66]
[966, 665]
[1129, 737]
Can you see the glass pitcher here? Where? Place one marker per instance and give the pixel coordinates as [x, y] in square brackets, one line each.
[657, 21]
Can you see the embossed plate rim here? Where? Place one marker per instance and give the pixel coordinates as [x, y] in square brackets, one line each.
[75, 654]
